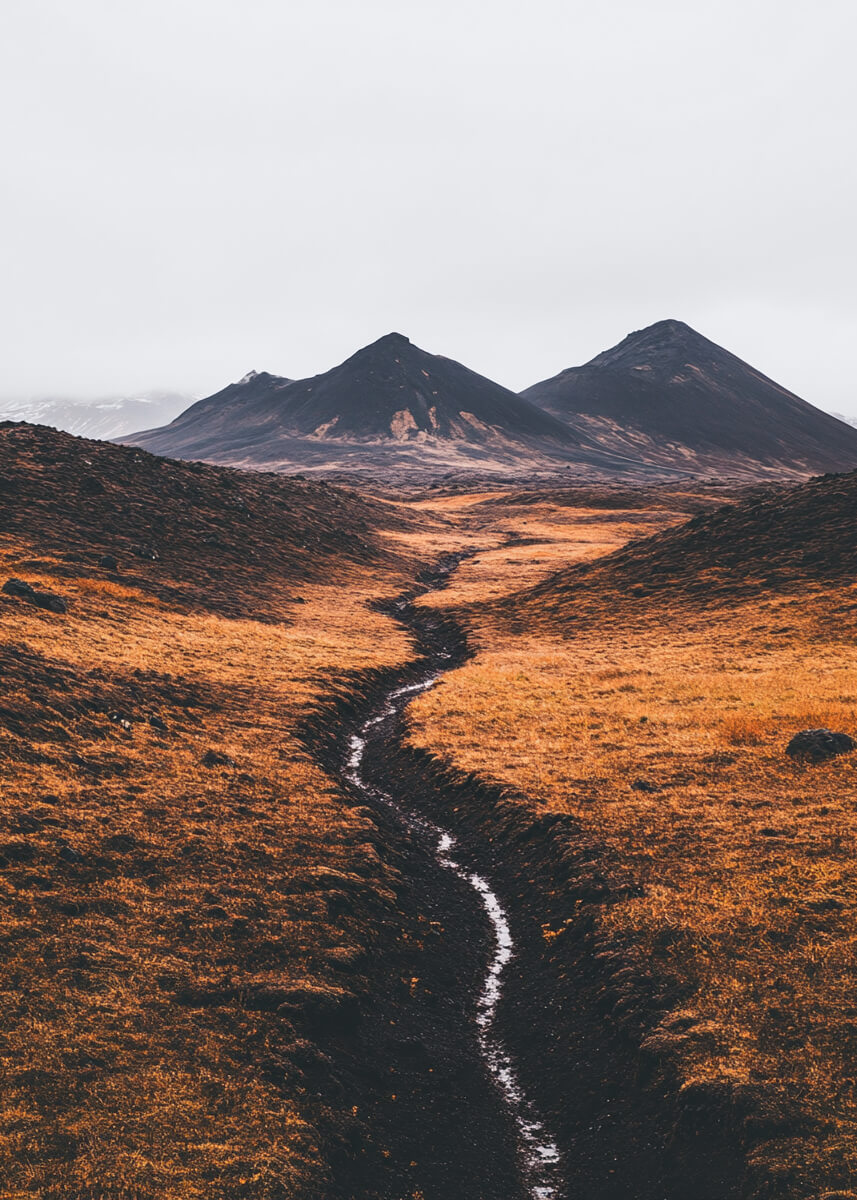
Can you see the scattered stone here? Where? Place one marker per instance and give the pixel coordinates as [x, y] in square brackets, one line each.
[120, 719]
[91, 485]
[215, 758]
[26, 591]
[644, 785]
[158, 723]
[819, 745]
[108, 561]
[69, 855]
[146, 551]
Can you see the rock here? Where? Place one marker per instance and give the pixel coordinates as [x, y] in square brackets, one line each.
[120, 719]
[644, 785]
[17, 587]
[145, 551]
[108, 561]
[819, 745]
[91, 485]
[216, 758]
[25, 591]
[158, 723]
[69, 855]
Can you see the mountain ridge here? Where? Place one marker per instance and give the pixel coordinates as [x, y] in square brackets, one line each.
[388, 403]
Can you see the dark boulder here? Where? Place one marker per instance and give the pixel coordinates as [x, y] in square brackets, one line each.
[818, 745]
[215, 758]
[25, 591]
[108, 561]
[146, 551]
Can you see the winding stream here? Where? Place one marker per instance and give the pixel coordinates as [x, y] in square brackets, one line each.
[538, 1154]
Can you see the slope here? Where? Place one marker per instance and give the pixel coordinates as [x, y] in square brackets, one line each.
[671, 396]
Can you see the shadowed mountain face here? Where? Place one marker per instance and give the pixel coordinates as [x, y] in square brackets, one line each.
[672, 397]
[389, 404]
[388, 391]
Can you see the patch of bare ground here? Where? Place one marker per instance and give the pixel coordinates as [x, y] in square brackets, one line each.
[645, 698]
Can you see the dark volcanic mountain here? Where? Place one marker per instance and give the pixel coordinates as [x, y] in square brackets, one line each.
[390, 403]
[671, 397]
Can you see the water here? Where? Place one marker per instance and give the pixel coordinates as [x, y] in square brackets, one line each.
[539, 1155]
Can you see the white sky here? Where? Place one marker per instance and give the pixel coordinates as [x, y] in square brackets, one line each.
[194, 188]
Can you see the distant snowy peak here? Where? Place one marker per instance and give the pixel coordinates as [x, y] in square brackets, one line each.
[102, 419]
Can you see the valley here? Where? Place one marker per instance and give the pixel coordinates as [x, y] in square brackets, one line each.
[236, 960]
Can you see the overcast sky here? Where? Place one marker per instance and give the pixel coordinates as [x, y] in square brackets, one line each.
[194, 188]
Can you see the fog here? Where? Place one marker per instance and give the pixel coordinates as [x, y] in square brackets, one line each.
[193, 189]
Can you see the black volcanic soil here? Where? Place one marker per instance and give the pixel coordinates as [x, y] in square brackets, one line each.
[669, 395]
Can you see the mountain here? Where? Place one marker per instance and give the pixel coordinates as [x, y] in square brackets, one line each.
[842, 417]
[672, 397]
[390, 404]
[103, 419]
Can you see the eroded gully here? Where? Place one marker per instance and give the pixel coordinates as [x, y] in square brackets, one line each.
[524, 1160]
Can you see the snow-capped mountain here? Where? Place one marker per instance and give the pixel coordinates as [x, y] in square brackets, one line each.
[102, 419]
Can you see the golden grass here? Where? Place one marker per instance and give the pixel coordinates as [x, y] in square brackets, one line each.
[747, 860]
[133, 874]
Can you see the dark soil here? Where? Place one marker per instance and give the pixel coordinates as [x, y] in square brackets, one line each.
[573, 1029]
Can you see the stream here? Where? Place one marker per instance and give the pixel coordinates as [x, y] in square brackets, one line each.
[538, 1156]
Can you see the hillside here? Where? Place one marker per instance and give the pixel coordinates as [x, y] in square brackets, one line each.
[639, 705]
[789, 538]
[185, 532]
[193, 913]
[389, 404]
[672, 397]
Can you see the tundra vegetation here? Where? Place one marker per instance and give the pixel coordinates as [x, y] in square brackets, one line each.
[190, 902]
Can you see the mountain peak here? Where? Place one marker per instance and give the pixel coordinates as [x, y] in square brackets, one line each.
[664, 341]
[679, 398]
[389, 343]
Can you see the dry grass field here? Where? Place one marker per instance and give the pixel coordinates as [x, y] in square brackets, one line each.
[651, 694]
[192, 908]
[175, 873]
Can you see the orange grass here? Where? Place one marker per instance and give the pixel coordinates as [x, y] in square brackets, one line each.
[132, 874]
[747, 860]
